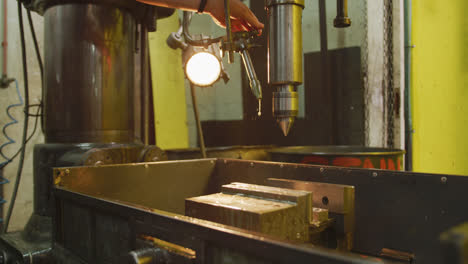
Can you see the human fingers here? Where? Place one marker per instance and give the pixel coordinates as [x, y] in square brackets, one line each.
[252, 20]
[237, 25]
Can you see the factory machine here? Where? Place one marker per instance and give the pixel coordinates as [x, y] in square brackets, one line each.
[103, 194]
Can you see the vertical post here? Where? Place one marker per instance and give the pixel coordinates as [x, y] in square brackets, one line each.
[227, 14]
[197, 119]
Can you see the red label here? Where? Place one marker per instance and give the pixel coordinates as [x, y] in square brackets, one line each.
[347, 162]
[315, 160]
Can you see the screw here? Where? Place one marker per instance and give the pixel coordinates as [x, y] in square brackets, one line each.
[212, 162]
[146, 166]
[225, 161]
[251, 164]
[374, 174]
[282, 166]
[443, 179]
[322, 169]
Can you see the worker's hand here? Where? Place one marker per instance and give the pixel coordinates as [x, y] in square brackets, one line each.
[242, 18]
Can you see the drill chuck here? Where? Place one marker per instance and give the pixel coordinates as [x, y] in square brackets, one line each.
[285, 106]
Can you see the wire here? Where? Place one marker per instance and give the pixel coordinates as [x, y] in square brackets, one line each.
[10, 140]
[37, 115]
[26, 120]
[39, 61]
[13, 121]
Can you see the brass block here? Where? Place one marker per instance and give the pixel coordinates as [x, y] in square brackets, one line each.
[273, 211]
[320, 215]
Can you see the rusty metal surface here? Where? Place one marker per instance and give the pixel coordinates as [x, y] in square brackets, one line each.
[173, 248]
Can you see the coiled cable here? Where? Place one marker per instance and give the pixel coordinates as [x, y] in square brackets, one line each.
[26, 120]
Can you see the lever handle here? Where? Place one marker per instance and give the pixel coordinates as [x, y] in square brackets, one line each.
[227, 14]
[255, 85]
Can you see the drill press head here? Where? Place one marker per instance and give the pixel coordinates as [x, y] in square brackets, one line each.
[285, 58]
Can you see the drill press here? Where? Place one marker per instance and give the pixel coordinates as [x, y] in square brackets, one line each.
[285, 58]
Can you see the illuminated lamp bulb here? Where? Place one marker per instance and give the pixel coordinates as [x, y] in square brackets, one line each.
[203, 69]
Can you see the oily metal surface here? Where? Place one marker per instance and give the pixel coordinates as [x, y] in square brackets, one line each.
[230, 152]
[89, 74]
[116, 226]
[337, 198]
[282, 213]
[245, 212]
[162, 186]
[337, 150]
[398, 210]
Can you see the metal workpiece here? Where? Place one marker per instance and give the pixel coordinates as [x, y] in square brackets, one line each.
[89, 74]
[282, 213]
[338, 199]
[285, 56]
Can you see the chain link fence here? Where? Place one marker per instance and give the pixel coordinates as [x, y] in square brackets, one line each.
[389, 87]
[378, 73]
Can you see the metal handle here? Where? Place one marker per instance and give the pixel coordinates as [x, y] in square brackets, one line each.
[255, 85]
[227, 14]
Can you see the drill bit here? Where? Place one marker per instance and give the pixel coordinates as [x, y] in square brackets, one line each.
[285, 123]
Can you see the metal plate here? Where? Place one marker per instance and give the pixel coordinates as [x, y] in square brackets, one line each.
[397, 210]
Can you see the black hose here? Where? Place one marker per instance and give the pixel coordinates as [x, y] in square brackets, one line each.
[26, 120]
[39, 61]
